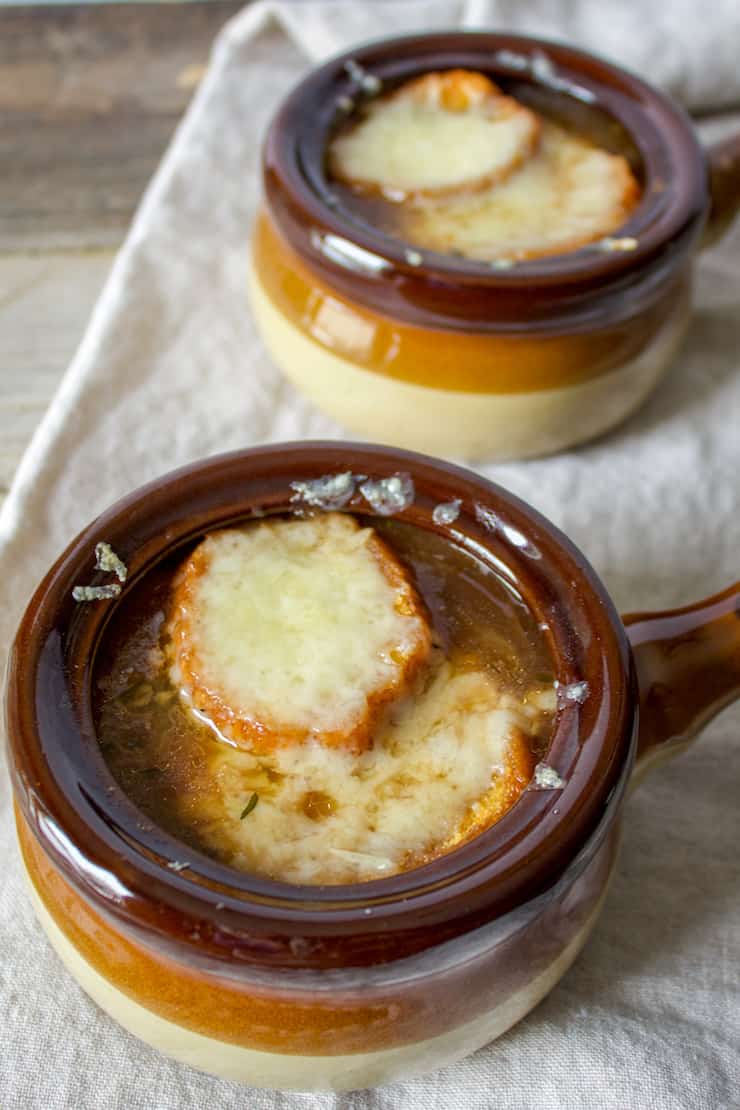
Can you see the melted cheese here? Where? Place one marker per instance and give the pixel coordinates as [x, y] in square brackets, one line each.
[448, 762]
[439, 133]
[296, 629]
[569, 194]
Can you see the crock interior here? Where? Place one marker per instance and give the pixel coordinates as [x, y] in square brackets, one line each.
[557, 98]
[99, 838]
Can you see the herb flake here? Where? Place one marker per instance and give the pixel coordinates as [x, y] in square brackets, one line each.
[249, 806]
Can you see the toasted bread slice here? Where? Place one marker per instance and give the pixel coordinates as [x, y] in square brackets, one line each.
[447, 762]
[296, 629]
[567, 195]
[468, 737]
[441, 134]
[505, 789]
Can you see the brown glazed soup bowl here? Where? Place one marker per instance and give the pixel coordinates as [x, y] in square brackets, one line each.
[460, 358]
[332, 987]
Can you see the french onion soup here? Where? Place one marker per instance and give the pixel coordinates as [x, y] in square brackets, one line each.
[324, 698]
[450, 163]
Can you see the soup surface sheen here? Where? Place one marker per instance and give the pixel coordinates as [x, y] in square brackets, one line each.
[465, 707]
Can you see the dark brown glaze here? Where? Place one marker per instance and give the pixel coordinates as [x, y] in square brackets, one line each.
[724, 188]
[212, 916]
[580, 290]
[688, 670]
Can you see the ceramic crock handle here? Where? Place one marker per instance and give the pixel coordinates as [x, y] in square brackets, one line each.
[688, 669]
[724, 187]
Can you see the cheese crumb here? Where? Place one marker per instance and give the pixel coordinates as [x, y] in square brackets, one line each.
[367, 82]
[107, 560]
[96, 593]
[547, 778]
[331, 491]
[575, 693]
[389, 495]
[611, 245]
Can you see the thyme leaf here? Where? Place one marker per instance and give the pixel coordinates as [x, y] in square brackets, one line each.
[249, 806]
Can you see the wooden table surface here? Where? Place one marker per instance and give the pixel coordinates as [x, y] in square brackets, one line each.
[89, 96]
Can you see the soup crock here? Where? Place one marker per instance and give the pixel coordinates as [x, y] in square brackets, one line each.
[291, 986]
[460, 358]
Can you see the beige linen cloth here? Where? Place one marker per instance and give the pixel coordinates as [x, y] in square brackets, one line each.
[171, 369]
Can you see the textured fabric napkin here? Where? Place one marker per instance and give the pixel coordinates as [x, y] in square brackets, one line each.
[171, 369]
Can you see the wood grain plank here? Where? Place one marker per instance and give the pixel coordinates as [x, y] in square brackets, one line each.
[89, 96]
